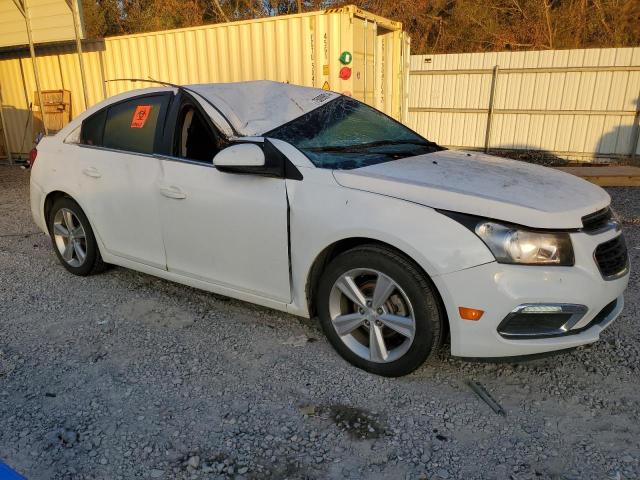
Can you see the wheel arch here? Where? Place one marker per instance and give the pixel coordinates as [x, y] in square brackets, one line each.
[50, 199]
[332, 251]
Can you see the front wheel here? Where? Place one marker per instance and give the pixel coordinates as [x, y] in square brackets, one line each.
[379, 311]
[73, 239]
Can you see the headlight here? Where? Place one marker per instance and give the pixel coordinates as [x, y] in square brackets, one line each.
[512, 244]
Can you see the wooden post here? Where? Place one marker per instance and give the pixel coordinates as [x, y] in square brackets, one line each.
[492, 96]
[73, 6]
[3, 123]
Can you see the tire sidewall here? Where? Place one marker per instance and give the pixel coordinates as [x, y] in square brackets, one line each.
[418, 289]
[91, 245]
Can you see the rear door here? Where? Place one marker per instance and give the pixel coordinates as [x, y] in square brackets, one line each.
[119, 176]
[224, 228]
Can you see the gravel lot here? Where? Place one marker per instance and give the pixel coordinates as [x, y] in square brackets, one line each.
[123, 375]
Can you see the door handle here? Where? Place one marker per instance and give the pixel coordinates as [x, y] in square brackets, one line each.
[92, 172]
[173, 192]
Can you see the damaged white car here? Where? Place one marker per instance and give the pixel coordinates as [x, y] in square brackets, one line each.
[313, 203]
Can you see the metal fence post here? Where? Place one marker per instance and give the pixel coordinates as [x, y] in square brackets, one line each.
[492, 95]
[73, 6]
[3, 124]
[23, 7]
[366, 60]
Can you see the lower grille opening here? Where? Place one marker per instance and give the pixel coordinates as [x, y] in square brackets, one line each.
[600, 317]
[522, 324]
[539, 321]
[526, 324]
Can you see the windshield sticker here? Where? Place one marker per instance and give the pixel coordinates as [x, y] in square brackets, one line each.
[140, 116]
[326, 86]
[323, 97]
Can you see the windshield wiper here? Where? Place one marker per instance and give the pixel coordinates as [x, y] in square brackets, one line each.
[363, 146]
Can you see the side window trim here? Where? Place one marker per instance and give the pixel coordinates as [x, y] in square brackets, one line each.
[115, 150]
[172, 158]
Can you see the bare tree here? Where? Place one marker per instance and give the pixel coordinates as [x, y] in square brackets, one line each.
[546, 5]
[434, 25]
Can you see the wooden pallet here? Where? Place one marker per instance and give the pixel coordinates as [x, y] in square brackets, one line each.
[614, 176]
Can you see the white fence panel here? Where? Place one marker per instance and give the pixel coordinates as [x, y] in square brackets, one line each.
[576, 104]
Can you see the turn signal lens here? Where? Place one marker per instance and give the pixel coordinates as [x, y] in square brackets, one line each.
[470, 313]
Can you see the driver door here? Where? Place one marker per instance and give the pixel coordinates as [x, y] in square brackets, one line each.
[223, 228]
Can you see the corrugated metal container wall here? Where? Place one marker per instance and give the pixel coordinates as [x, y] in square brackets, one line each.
[302, 49]
[577, 104]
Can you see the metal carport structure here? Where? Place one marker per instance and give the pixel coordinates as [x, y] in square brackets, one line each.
[39, 21]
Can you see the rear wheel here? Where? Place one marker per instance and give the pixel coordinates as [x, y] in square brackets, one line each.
[73, 239]
[379, 311]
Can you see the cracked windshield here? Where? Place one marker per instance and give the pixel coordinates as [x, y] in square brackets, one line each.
[346, 134]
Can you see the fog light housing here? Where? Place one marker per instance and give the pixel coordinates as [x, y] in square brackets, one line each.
[541, 320]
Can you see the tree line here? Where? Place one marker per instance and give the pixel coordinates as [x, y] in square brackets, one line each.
[435, 26]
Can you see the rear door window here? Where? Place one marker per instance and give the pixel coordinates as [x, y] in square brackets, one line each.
[131, 125]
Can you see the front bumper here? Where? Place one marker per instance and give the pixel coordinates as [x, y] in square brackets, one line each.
[499, 289]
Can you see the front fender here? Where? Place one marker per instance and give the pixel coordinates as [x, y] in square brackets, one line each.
[323, 213]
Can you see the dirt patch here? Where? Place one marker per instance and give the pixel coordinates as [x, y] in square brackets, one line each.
[155, 314]
[357, 422]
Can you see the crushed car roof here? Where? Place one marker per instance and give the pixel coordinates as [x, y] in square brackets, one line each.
[254, 108]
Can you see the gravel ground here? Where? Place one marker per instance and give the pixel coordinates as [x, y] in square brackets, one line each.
[123, 375]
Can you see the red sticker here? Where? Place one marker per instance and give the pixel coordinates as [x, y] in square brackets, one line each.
[140, 116]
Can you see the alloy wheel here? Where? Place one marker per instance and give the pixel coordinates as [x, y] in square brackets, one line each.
[372, 315]
[69, 237]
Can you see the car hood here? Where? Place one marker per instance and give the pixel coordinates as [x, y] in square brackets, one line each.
[483, 185]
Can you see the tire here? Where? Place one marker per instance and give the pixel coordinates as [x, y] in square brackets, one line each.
[413, 299]
[84, 257]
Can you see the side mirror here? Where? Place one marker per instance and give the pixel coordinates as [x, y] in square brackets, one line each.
[242, 158]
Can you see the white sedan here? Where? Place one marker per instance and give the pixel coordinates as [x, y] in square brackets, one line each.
[315, 204]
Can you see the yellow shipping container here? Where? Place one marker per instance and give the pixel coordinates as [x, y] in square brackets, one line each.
[347, 50]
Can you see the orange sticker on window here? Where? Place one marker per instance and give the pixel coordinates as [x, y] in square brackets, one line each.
[140, 116]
